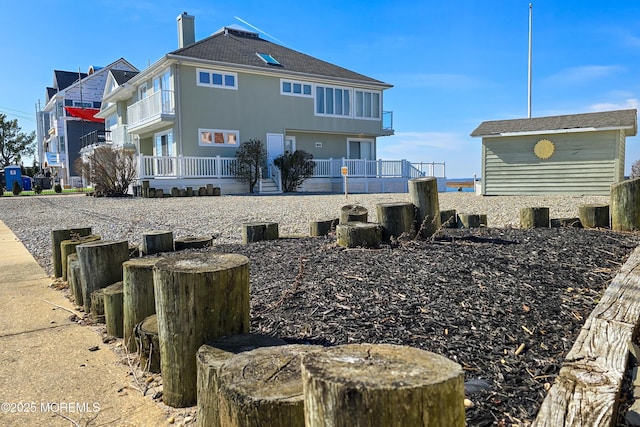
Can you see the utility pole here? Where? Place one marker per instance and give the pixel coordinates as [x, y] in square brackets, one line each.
[530, 57]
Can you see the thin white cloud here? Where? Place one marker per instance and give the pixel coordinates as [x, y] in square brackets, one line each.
[403, 143]
[624, 105]
[584, 74]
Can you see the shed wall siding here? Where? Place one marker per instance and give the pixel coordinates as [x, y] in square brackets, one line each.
[582, 163]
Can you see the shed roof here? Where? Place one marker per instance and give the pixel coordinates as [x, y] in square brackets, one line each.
[235, 46]
[606, 120]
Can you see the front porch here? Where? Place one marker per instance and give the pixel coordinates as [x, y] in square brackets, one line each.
[363, 176]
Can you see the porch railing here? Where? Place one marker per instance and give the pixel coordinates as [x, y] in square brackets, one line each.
[221, 167]
[154, 105]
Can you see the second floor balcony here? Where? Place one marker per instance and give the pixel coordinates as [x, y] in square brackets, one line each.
[151, 112]
[117, 136]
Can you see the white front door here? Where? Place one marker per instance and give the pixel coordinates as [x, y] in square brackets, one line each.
[275, 146]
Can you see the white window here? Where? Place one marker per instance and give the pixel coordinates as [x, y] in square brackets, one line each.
[213, 78]
[295, 88]
[367, 104]
[333, 101]
[218, 137]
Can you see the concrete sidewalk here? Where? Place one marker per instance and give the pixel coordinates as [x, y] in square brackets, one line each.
[45, 362]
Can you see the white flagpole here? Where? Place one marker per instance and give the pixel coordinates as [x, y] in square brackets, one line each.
[530, 58]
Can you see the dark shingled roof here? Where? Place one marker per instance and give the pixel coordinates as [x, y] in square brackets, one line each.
[51, 91]
[238, 47]
[607, 119]
[121, 76]
[64, 79]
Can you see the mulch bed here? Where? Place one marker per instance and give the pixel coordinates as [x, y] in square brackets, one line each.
[474, 296]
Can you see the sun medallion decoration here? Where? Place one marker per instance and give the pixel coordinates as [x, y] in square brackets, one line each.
[544, 149]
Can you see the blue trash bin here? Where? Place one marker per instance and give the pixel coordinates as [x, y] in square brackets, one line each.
[26, 183]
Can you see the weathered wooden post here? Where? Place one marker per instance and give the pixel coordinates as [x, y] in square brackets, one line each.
[148, 343]
[471, 220]
[423, 193]
[258, 231]
[113, 309]
[199, 297]
[145, 188]
[448, 218]
[534, 218]
[97, 305]
[594, 216]
[193, 242]
[565, 222]
[322, 227]
[263, 387]
[625, 205]
[73, 277]
[68, 247]
[209, 360]
[156, 241]
[100, 265]
[359, 234]
[138, 295]
[396, 219]
[353, 213]
[57, 236]
[381, 385]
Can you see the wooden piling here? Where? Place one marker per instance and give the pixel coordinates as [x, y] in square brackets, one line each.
[423, 193]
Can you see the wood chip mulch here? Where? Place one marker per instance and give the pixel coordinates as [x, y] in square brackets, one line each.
[506, 304]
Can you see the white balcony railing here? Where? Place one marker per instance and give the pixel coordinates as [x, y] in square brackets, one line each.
[221, 167]
[120, 137]
[153, 106]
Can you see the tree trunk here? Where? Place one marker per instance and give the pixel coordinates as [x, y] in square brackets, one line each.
[73, 277]
[113, 309]
[97, 305]
[594, 216]
[534, 218]
[263, 387]
[139, 296]
[448, 218]
[381, 385]
[396, 219]
[471, 220]
[359, 234]
[199, 297]
[156, 241]
[625, 205]
[68, 247]
[100, 265]
[423, 193]
[193, 242]
[57, 236]
[258, 231]
[322, 227]
[353, 213]
[146, 335]
[209, 360]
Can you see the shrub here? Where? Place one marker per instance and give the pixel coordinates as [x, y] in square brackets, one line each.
[250, 157]
[17, 188]
[57, 188]
[295, 168]
[37, 189]
[1, 190]
[111, 170]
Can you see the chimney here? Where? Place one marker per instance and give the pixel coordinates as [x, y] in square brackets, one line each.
[186, 30]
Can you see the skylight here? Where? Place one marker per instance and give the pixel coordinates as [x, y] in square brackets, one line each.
[268, 58]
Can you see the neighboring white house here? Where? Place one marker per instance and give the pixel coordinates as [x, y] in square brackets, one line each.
[569, 154]
[67, 119]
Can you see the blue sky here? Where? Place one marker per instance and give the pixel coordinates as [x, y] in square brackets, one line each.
[453, 64]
